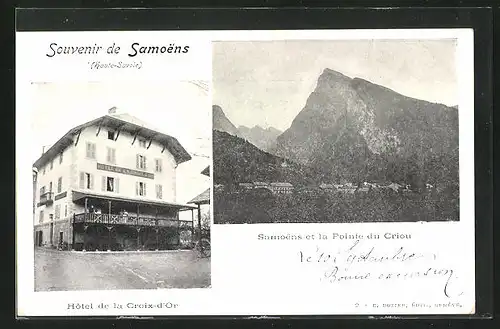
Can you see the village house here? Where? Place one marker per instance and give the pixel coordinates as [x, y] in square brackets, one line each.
[348, 188]
[309, 190]
[327, 187]
[245, 186]
[260, 185]
[110, 184]
[219, 187]
[394, 186]
[281, 188]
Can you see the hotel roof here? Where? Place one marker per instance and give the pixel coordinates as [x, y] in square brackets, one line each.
[203, 198]
[123, 122]
[206, 171]
[279, 184]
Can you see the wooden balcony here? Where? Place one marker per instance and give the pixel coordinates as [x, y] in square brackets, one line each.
[46, 199]
[133, 220]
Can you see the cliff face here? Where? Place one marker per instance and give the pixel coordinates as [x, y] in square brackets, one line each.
[353, 129]
[221, 122]
[265, 139]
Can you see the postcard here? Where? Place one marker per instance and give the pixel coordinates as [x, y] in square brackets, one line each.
[311, 172]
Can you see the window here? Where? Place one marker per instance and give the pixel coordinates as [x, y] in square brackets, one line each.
[90, 150]
[59, 185]
[50, 187]
[109, 184]
[141, 162]
[40, 218]
[51, 164]
[111, 155]
[51, 217]
[86, 181]
[43, 171]
[159, 191]
[143, 143]
[57, 211]
[65, 210]
[42, 190]
[111, 135]
[140, 189]
[158, 165]
[60, 158]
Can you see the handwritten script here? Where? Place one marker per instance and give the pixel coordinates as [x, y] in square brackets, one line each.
[363, 262]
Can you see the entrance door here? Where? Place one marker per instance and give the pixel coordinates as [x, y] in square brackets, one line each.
[51, 233]
[40, 238]
[61, 235]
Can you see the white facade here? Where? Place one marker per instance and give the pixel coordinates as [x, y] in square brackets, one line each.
[76, 169]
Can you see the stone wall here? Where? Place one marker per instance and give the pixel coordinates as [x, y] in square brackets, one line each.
[61, 226]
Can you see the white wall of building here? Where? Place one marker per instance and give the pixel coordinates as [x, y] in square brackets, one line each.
[46, 175]
[125, 156]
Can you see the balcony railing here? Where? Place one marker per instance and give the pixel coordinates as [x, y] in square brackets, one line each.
[128, 220]
[46, 199]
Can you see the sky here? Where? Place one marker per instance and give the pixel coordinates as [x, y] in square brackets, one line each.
[179, 109]
[267, 83]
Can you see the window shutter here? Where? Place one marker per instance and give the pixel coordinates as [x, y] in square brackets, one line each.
[144, 188]
[137, 161]
[113, 157]
[117, 185]
[91, 182]
[136, 188]
[145, 163]
[103, 183]
[93, 151]
[108, 154]
[82, 180]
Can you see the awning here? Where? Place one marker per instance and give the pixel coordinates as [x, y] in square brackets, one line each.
[203, 198]
[79, 195]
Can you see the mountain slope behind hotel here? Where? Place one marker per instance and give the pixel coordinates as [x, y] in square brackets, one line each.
[238, 161]
[352, 129]
[265, 139]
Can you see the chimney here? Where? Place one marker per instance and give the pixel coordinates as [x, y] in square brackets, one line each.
[112, 110]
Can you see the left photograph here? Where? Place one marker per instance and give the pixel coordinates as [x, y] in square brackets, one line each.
[121, 185]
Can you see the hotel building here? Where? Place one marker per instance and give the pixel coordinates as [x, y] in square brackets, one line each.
[110, 184]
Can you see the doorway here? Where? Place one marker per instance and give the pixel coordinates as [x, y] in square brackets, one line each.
[39, 237]
[51, 233]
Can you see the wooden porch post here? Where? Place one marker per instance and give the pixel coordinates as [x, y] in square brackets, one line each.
[178, 230]
[157, 228]
[138, 238]
[73, 233]
[199, 223]
[109, 227]
[192, 222]
[138, 230]
[85, 210]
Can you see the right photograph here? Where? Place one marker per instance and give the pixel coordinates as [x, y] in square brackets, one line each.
[338, 131]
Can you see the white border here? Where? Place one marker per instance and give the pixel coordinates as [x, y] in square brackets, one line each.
[228, 296]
